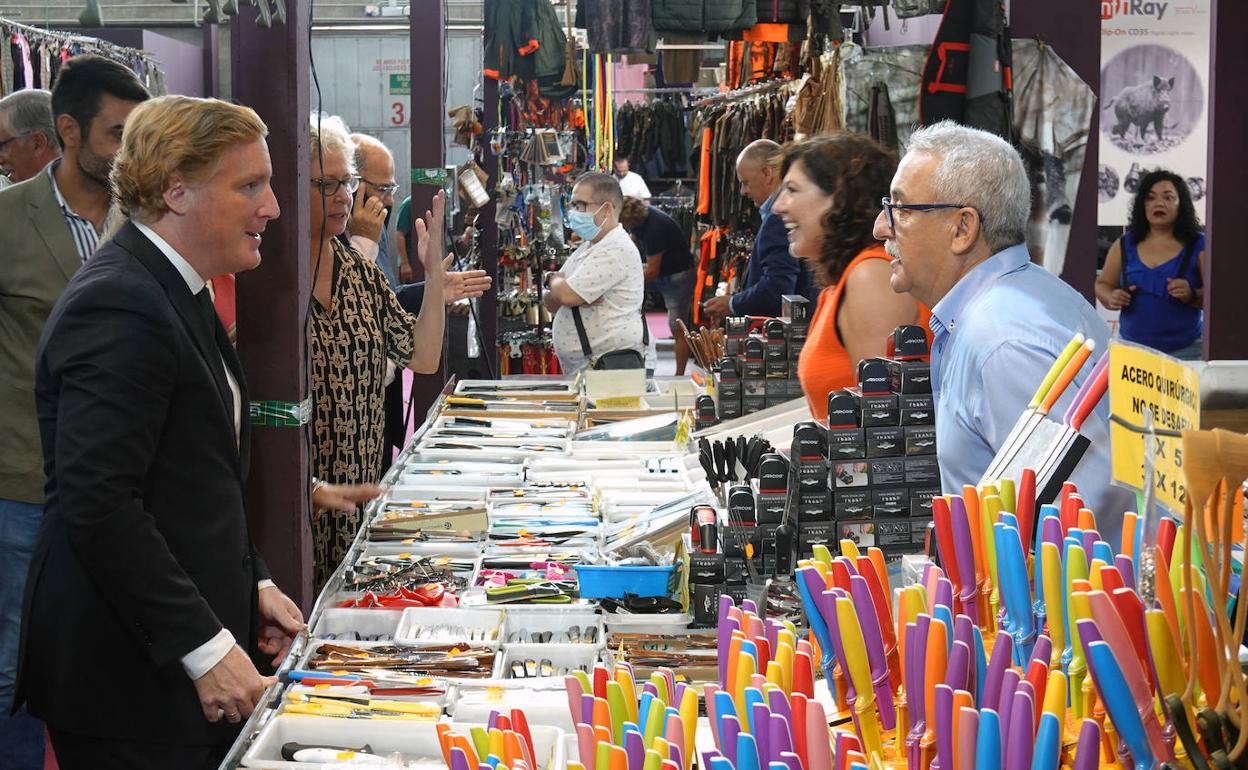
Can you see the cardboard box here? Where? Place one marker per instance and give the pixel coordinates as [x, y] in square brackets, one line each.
[755, 358]
[861, 532]
[729, 409]
[853, 505]
[886, 442]
[753, 404]
[795, 387]
[810, 535]
[844, 410]
[736, 327]
[873, 377]
[920, 440]
[888, 472]
[770, 510]
[893, 532]
[778, 371]
[918, 532]
[921, 500]
[736, 537]
[917, 409]
[735, 570]
[734, 347]
[796, 345]
[891, 503]
[909, 377]
[847, 444]
[849, 475]
[777, 387]
[814, 506]
[922, 472]
[796, 308]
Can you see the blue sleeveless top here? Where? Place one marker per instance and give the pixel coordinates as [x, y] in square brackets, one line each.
[1154, 318]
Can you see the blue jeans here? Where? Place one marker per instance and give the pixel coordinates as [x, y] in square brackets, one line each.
[22, 734]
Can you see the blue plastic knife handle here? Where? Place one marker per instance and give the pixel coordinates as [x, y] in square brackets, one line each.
[1119, 704]
[1048, 749]
[944, 615]
[815, 618]
[720, 763]
[988, 741]
[981, 662]
[643, 709]
[752, 695]
[1102, 551]
[298, 675]
[1012, 567]
[747, 752]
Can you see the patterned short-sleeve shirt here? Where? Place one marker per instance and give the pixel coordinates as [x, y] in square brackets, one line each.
[608, 275]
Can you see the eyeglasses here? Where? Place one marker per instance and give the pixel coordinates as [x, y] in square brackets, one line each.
[330, 186]
[381, 188]
[5, 142]
[889, 206]
[583, 206]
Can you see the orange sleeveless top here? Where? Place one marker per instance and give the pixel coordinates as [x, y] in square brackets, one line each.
[824, 365]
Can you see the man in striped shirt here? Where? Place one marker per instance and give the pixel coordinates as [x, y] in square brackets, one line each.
[49, 226]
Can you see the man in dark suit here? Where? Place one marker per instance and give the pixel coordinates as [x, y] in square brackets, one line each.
[49, 226]
[772, 271]
[147, 605]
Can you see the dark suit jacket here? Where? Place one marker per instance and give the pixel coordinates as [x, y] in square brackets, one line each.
[772, 272]
[37, 259]
[144, 552]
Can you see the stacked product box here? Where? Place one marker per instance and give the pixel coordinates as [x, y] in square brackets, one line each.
[881, 452]
[759, 367]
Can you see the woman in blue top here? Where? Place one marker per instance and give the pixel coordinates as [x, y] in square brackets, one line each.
[1154, 274]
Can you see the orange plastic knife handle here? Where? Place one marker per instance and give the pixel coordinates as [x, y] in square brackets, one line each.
[1067, 376]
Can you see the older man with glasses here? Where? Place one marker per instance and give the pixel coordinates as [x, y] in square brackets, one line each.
[28, 140]
[955, 225]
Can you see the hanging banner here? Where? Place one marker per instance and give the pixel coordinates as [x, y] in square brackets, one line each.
[1142, 379]
[1154, 99]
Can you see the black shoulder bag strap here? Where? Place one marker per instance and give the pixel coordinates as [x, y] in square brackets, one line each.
[580, 332]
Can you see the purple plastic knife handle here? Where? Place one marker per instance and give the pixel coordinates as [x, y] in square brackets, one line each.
[1126, 568]
[779, 703]
[944, 593]
[635, 749]
[1018, 751]
[1002, 654]
[587, 708]
[773, 636]
[944, 726]
[1052, 531]
[827, 608]
[791, 760]
[459, 759]
[1088, 750]
[964, 548]
[780, 738]
[1005, 705]
[958, 669]
[869, 622]
[731, 729]
[749, 606]
[762, 731]
[915, 694]
[963, 630]
[725, 634]
[1042, 650]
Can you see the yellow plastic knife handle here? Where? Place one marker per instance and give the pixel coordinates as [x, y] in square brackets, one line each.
[1067, 353]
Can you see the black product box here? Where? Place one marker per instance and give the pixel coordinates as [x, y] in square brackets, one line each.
[776, 400]
[734, 347]
[909, 342]
[770, 510]
[809, 439]
[793, 375]
[853, 505]
[777, 352]
[707, 568]
[796, 309]
[729, 409]
[918, 532]
[754, 386]
[777, 370]
[891, 503]
[755, 359]
[880, 411]
[776, 387]
[909, 377]
[844, 410]
[886, 442]
[849, 474]
[735, 570]
[704, 603]
[728, 389]
[847, 444]
[921, 500]
[797, 343]
[893, 533]
[922, 472]
[736, 537]
[860, 532]
[774, 335]
[814, 506]
[917, 409]
[736, 591]
[811, 535]
[753, 404]
[812, 475]
[889, 472]
[705, 411]
[795, 387]
[873, 377]
[920, 440]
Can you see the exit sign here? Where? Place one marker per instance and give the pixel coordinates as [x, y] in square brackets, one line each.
[400, 84]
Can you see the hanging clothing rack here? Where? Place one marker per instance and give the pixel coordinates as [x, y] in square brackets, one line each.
[668, 90]
[145, 65]
[740, 93]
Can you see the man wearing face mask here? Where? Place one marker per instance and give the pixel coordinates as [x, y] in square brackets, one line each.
[603, 278]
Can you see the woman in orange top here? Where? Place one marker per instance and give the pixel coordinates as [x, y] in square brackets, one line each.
[829, 200]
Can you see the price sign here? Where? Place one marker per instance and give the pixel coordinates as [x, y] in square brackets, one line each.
[1142, 379]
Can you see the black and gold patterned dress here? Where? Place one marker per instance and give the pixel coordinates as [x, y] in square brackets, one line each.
[349, 345]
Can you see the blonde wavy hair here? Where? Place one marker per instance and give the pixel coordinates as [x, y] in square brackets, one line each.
[175, 136]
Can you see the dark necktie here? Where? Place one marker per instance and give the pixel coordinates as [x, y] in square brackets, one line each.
[209, 313]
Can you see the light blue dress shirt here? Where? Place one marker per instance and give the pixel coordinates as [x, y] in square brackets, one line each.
[996, 334]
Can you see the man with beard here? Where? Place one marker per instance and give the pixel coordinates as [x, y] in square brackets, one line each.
[49, 226]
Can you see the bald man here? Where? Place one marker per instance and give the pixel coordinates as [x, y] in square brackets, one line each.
[772, 271]
[375, 165]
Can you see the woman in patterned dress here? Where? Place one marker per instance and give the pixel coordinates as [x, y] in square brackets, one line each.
[356, 325]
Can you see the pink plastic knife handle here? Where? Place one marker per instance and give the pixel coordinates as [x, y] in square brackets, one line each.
[1002, 654]
[817, 743]
[968, 730]
[574, 693]
[1086, 388]
[709, 699]
[1114, 632]
[868, 621]
[1022, 732]
[944, 726]
[586, 745]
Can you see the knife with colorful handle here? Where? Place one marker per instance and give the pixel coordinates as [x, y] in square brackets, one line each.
[870, 631]
[1028, 419]
[964, 550]
[859, 671]
[943, 702]
[1002, 654]
[1088, 749]
[1048, 525]
[1054, 596]
[934, 669]
[1013, 574]
[916, 643]
[1116, 695]
[968, 730]
[988, 741]
[1114, 633]
[990, 509]
[882, 607]
[945, 545]
[1021, 742]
